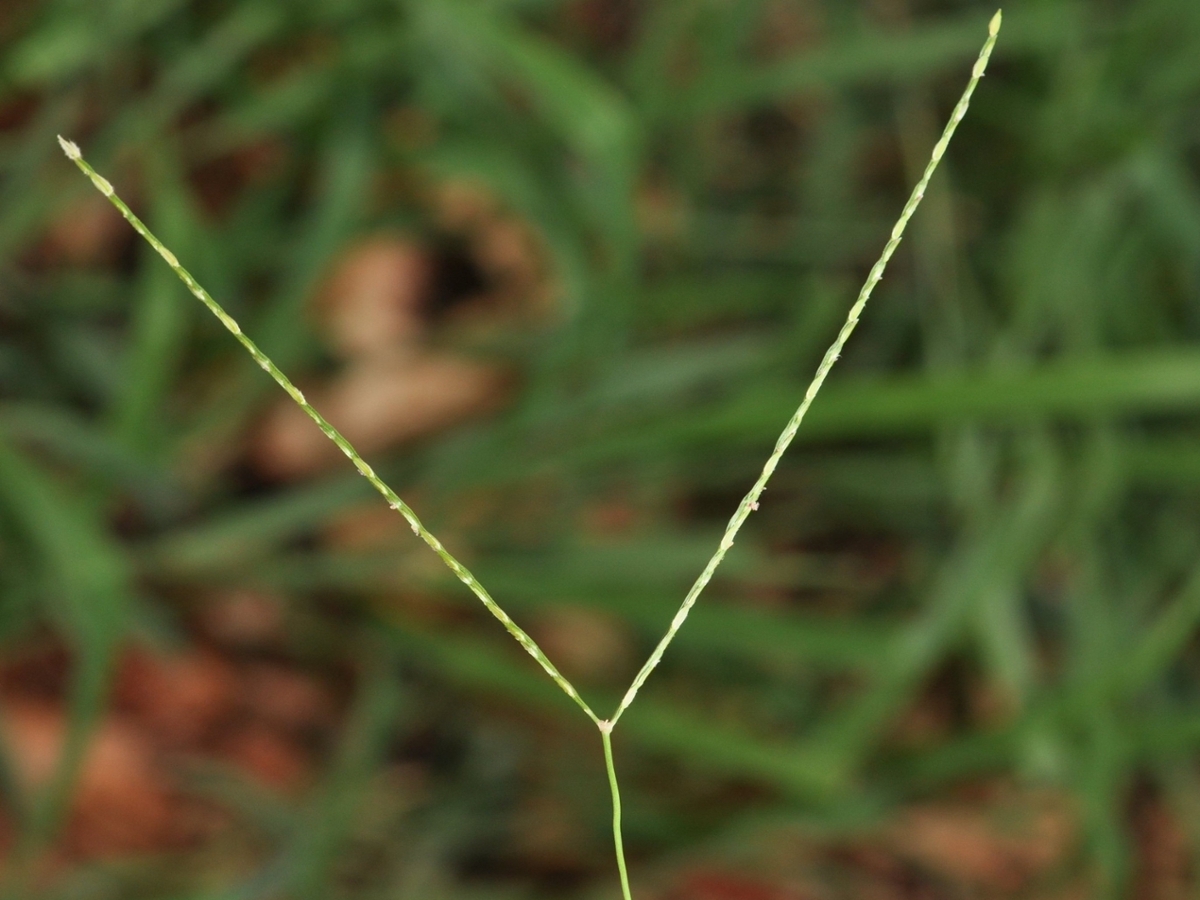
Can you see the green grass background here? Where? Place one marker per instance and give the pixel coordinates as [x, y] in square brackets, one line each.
[998, 488]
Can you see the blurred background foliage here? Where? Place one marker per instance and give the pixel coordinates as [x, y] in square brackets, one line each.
[563, 269]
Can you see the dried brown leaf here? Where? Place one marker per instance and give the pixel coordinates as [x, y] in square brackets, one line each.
[372, 301]
[375, 404]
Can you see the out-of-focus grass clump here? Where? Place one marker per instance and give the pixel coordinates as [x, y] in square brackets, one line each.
[563, 271]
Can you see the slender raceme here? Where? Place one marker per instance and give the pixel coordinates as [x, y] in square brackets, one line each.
[463, 573]
[749, 502]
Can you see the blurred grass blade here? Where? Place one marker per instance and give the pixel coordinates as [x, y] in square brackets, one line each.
[1163, 641]
[1129, 384]
[1002, 554]
[89, 583]
[71, 439]
[331, 818]
[84, 569]
[159, 325]
[593, 119]
[882, 56]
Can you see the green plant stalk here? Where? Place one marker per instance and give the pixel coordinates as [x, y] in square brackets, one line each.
[606, 729]
[749, 502]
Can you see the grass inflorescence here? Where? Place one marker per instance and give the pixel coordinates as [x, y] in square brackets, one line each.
[749, 503]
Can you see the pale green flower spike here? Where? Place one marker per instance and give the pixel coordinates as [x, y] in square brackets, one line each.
[463, 573]
[750, 501]
[748, 504]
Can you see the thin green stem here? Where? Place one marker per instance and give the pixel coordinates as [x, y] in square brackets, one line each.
[618, 844]
[750, 501]
[394, 501]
